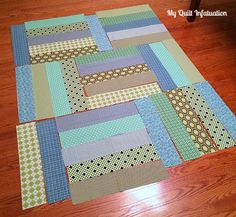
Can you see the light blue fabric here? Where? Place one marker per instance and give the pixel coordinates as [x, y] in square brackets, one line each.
[217, 105]
[167, 60]
[159, 135]
[98, 33]
[26, 110]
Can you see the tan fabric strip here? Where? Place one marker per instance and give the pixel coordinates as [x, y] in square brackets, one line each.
[42, 99]
[145, 39]
[120, 83]
[185, 63]
[117, 181]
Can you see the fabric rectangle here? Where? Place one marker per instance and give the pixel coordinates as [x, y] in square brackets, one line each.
[98, 33]
[20, 45]
[184, 62]
[175, 128]
[217, 105]
[163, 77]
[26, 109]
[59, 37]
[58, 92]
[53, 167]
[174, 70]
[158, 133]
[118, 181]
[123, 11]
[96, 116]
[31, 171]
[143, 39]
[100, 148]
[42, 97]
[54, 21]
[120, 83]
[100, 131]
[140, 31]
[109, 64]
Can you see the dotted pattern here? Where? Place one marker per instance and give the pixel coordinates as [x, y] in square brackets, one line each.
[112, 74]
[175, 128]
[31, 171]
[56, 29]
[73, 86]
[191, 121]
[209, 120]
[125, 95]
[61, 45]
[112, 163]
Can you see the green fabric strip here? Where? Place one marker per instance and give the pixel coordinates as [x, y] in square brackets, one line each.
[100, 131]
[175, 128]
[174, 70]
[182, 59]
[42, 98]
[127, 18]
[60, 102]
[123, 11]
[54, 21]
[127, 51]
[111, 163]
[217, 131]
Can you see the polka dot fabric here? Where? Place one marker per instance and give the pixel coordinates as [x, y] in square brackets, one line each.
[112, 163]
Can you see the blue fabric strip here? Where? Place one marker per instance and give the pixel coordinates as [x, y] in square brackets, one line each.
[26, 110]
[163, 77]
[217, 105]
[156, 129]
[20, 45]
[132, 24]
[98, 33]
[57, 188]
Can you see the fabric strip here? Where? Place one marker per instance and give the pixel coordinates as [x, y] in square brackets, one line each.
[26, 109]
[146, 39]
[54, 21]
[100, 131]
[109, 64]
[57, 89]
[184, 62]
[120, 83]
[92, 150]
[20, 45]
[219, 108]
[96, 116]
[123, 11]
[175, 128]
[42, 97]
[163, 77]
[59, 37]
[31, 171]
[174, 70]
[141, 31]
[120, 96]
[111, 163]
[132, 24]
[117, 181]
[98, 33]
[54, 170]
[158, 133]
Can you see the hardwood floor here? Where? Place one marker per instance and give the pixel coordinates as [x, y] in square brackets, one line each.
[203, 187]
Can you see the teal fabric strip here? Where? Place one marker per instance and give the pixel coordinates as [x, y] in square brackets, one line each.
[101, 131]
[174, 70]
[54, 21]
[57, 89]
[175, 128]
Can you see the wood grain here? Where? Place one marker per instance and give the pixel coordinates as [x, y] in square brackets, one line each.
[203, 187]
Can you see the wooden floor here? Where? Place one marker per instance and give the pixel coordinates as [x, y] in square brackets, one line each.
[203, 187]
